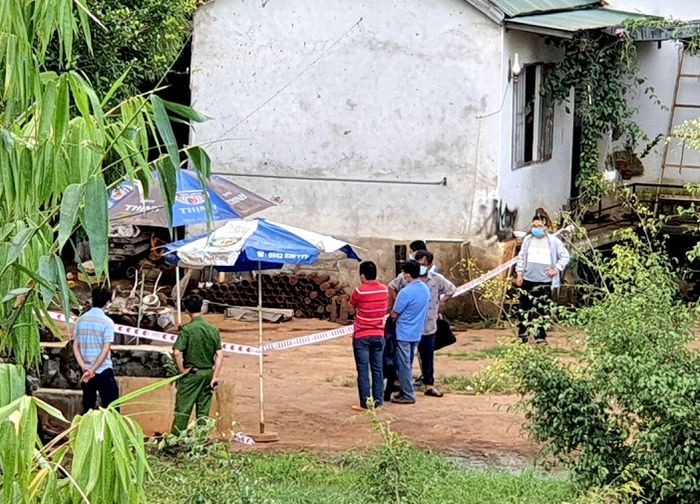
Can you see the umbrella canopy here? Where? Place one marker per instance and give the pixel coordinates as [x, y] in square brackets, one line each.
[128, 204]
[254, 244]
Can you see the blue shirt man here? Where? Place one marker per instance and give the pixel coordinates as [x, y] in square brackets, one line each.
[410, 312]
[411, 306]
[94, 335]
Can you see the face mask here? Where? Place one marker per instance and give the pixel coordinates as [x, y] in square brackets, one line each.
[423, 270]
[537, 232]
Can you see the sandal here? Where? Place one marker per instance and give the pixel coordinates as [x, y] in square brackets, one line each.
[433, 392]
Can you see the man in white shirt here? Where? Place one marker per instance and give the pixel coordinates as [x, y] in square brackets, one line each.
[541, 262]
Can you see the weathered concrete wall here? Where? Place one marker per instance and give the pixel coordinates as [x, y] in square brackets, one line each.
[370, 89]
[546, 184]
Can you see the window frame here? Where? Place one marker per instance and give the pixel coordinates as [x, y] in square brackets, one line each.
[544, 110]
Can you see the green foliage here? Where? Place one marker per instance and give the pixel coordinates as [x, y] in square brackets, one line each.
[602, 71]
[57, 138]
[99, 458]
[137, 39]
[628, 413]
[12, 384]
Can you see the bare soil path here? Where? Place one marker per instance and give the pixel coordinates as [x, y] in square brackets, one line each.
[309, 392]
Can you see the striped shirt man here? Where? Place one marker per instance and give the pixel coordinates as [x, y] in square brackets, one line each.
[371, 302]
[93, 331]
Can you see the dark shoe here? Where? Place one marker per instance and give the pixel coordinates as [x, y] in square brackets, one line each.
[542, 342]
[433, 392]
[402, 400]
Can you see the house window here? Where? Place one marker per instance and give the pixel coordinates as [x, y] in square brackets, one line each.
[534, 117]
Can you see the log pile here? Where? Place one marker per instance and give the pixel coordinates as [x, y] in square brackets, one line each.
[310, 296]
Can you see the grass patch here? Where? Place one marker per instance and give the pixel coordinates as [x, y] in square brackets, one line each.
[304, 478]
[477, 355]
[493, 379]
[497, 352]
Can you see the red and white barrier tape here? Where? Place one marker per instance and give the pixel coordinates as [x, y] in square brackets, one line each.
[473, 284]
[164, 337]
[309, 339]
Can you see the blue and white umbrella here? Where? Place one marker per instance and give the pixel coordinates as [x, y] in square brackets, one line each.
[255, 244]
[248, 245]
[128, 203]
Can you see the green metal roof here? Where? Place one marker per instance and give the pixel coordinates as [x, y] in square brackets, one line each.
[513, 8]
[569, 22]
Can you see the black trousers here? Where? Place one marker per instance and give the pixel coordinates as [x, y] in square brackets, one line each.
[389, 366]
[535, 302]
[103, 383]
[426, 350]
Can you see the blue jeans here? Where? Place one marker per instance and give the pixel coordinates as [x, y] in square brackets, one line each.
[405, 350]
[368, 354]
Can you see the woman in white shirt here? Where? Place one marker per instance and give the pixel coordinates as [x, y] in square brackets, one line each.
[541, 262]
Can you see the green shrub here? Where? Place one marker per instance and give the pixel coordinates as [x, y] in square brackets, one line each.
[629, 412]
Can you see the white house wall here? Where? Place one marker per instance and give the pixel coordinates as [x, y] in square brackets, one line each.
[654, 100]
[376, 90]
[687, 10]
[546, 184]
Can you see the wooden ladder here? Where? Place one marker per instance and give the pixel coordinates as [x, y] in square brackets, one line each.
[679, 163]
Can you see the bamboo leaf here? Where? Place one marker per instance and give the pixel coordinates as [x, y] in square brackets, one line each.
[63, 290]
[62, 111]
[96, 222]
[201, 161]
[185, 111]
[47, 272]
[168, 182]
[165, 130]
[11, 383]
[47, 408]
[19, 243]
[115, 87]
[19, 291]
[48, 110]
[69, 212]
[144, 390]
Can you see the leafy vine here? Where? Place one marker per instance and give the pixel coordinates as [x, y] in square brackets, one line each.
[602, 70]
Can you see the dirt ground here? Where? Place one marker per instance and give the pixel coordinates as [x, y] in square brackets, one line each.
[309, 392]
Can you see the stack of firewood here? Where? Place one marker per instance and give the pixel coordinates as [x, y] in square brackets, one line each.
[310, 296]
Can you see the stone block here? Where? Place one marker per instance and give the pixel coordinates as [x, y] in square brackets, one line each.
[153, 411]
[222, 410]
[68, 402]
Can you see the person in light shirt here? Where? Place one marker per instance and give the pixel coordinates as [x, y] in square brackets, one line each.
[540, 265]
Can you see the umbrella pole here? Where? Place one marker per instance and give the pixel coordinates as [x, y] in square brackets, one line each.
[262, 437]
[178, 301]
[260, 357]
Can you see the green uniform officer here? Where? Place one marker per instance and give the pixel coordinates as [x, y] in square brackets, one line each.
[199, 357]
